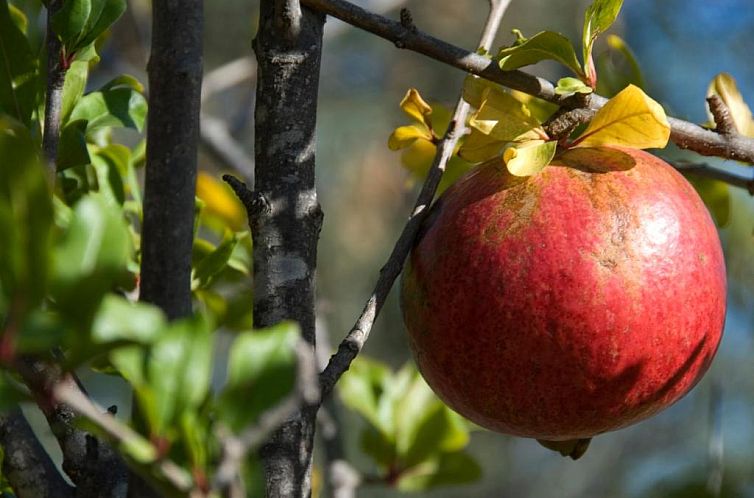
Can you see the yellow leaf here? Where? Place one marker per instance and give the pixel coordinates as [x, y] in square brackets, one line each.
[529, 158]
[404, 136]
[414, 105]
[220, 201]
[540, 109]
[478, 147]
[630, 119]
[504, 118]
[418, 157]
[473, 88]
[724, 85]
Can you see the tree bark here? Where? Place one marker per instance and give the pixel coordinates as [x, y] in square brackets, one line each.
[175, 80]
[286, 225]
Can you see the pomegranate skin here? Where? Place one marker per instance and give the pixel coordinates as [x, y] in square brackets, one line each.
[569, 303]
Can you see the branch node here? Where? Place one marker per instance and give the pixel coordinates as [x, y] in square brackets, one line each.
[560, 125]
[255, 203]
[724, 123]
[407, 20]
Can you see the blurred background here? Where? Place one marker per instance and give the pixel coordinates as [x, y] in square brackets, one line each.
[703, 445]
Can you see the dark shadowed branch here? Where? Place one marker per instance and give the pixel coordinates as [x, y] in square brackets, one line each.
[684, 134]
[708, 171]
[350, 347]
[26, 465]
[54, 95]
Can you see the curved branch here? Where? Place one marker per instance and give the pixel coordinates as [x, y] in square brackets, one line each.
[685, 134]
[350, 347]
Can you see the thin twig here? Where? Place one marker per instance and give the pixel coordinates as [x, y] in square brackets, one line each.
[120, 433]
[354, 341]
[686, 135]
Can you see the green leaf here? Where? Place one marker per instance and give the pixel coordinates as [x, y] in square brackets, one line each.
[716, 196]
[569, 86]
[72, 150]
[179, 369]
[111, 165]
[618, 68]
[120, 320]
[108, 11]
[530, 157]
[118, 107]
[478, 147]
[378, 446]
[425, 427]
[91, 258]
[362, 386]
[18, 70]
[124, 81]
[139, 449]
[546, 45]
[18, 17]
[504, 118]
[261, 372]
[25, 218]
[598, 18]
[73, 89]
[68, 22]
[213, 263]
[446, 470]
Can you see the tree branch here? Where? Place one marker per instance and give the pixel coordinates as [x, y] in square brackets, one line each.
[26, 465]
[350, 347]
[92, 465]
[686, 135]
[286, 231]
[178, 479]
[54, 96]
[235, 448]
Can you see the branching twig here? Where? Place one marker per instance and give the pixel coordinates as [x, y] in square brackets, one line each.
[288, 18]
[120, 433]
[235, 448]
[354, 341]
[686, 135]
[721, 114]
[26, 465]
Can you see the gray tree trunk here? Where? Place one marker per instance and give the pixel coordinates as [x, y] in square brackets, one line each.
[286, 225]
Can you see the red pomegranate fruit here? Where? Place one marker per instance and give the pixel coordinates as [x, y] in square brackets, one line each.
[569, 303]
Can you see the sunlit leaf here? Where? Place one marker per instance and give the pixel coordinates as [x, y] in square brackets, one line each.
[598, 18]
[540, 109]
[630, 119]
[724, 86]
[414, 105]
[220, 201]
[121, 320]
[179, 368]
[118, 107]
[18, 17]
[569, 86]
[73, 88]
[546, 45]
[504, 118]
[361, 387]
[530, 157]
[479, 147]
[101, 18]
[18, 70]
[213, 263]
[417, 157]
[403, 136]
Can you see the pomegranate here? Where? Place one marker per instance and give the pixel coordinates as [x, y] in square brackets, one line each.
[569, 303]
